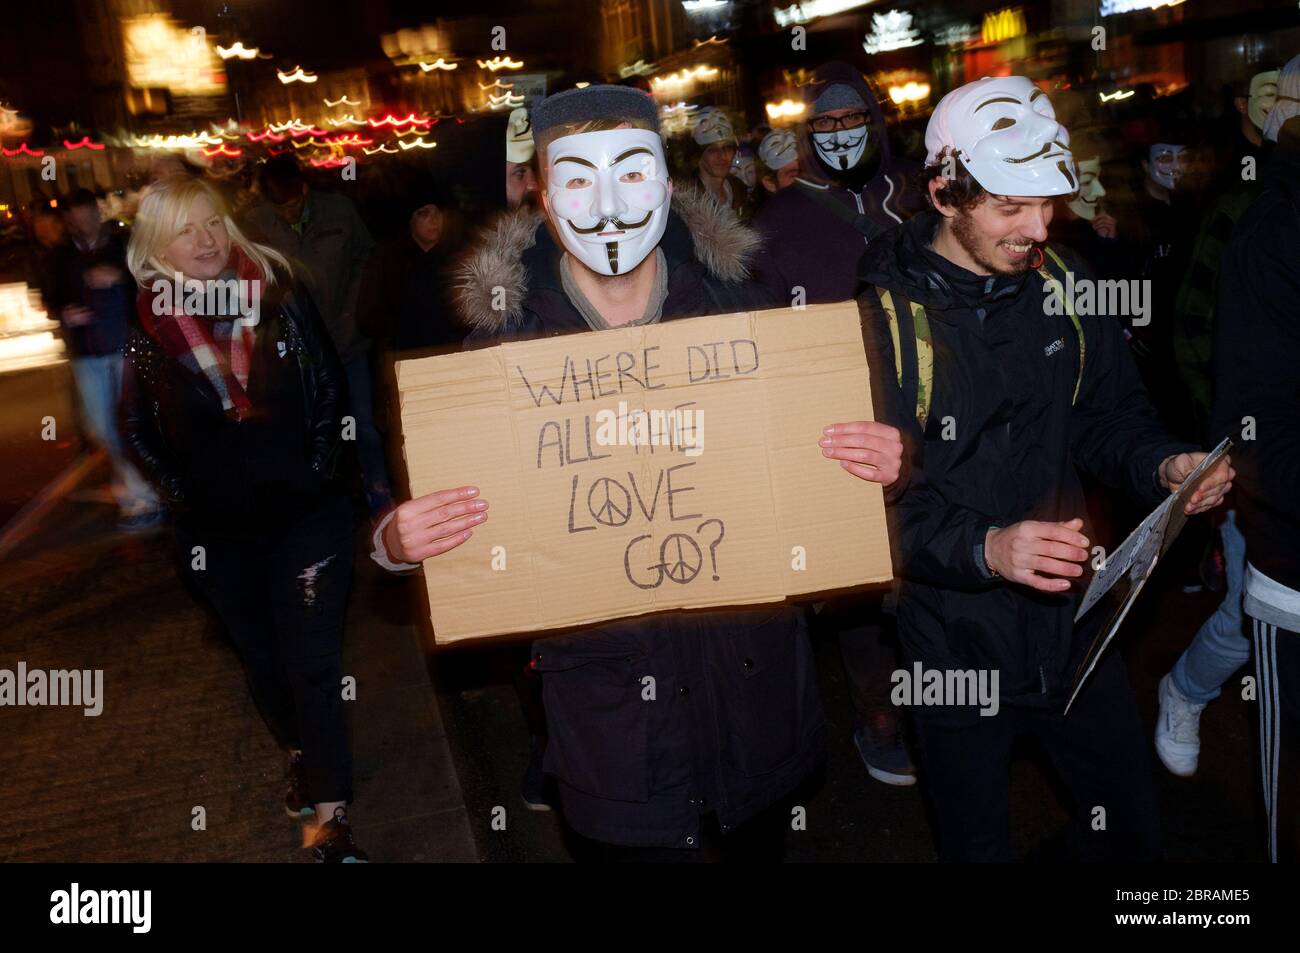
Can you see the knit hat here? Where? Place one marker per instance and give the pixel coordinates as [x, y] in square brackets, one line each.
[594, 102]
[837, 96]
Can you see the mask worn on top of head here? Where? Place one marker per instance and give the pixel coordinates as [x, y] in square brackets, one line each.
[742, 167]
[1084, 204]
[519, 137]
[778, 149]
[1004, 130]
[608, 194]
[1165, 164]
[1263, 96]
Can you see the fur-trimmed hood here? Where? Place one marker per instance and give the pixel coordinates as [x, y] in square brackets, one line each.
[517, 254]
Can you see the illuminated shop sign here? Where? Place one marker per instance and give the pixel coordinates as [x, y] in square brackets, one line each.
[1002, 25]
[956, 34]
[891, 31]
[812, 9]
[1111, 7]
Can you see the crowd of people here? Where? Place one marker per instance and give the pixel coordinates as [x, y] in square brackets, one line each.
[259, 438]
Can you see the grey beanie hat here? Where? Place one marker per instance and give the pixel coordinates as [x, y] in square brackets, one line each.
[594, 102]
[837, 96]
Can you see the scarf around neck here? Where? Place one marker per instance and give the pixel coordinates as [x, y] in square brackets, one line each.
[216, 346]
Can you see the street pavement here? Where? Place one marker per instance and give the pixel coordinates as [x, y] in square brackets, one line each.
[178, 729]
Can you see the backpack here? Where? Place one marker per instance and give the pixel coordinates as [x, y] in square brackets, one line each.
[916, 350]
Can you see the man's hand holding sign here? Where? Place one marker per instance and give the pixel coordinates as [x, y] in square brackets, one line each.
[438, 522]
[591, 450]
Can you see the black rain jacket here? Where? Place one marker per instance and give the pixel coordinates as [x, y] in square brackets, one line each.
[1002, 444]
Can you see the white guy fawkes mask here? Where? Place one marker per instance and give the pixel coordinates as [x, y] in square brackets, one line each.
[607, 193]
[1005, 132]
[519, 137]
[1084, 204]
[1263, 96]
[743, 167]
[1165, 164]
[778, 149]
[842, 149]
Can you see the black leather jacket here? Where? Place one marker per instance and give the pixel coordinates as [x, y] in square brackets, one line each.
[165, 406]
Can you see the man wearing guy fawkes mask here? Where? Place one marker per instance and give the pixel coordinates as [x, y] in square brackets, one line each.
[739, 722]
[849, 189]
[1162, 227]
[1083, 221]
[1227, 201]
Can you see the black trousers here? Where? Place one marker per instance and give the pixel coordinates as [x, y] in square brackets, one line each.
[283, 599]
[869, 650]
[1277, 693]
[1099, 751]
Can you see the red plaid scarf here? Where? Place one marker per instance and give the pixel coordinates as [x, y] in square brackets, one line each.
[208, 344]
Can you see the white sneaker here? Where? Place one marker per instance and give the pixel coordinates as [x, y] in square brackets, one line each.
[1178, 730]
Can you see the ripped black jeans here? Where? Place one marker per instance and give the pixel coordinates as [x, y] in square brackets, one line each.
[283, 599]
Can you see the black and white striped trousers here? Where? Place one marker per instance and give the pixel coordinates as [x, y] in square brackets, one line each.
[1277, 680]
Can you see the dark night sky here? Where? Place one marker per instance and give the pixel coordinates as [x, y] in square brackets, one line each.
[43, 68]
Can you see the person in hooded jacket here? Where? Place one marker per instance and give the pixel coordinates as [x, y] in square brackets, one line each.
[738, 723]
[1002, 403]
[850, 188]
[847, 190]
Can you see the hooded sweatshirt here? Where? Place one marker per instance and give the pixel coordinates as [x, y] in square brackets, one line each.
[808, 245]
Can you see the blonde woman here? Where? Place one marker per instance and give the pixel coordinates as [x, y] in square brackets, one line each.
[233, 399]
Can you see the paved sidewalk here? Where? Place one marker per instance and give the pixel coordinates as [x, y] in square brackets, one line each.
[178, 728]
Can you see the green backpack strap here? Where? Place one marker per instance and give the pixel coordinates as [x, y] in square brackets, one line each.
[913, 348]
[1058, 289]
[916, 349]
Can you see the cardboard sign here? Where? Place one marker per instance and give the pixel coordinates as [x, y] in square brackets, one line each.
[637, 469]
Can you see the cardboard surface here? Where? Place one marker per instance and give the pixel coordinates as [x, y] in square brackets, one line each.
[706, 508]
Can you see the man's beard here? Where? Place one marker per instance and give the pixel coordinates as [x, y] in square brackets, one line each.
[968, 237]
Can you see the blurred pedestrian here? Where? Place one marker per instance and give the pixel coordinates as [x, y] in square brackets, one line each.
[1084, 223]
[92, 296]
[1161, 226]
[778, 160]
[322, 233]
[715, 152]
[405, 302]
[48, 238]
[521, 173]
